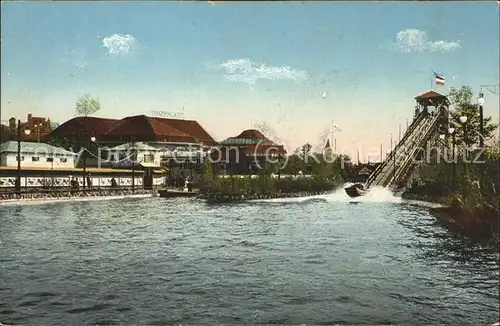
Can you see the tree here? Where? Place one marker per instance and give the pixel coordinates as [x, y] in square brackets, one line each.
[86, 105]
[462, 100]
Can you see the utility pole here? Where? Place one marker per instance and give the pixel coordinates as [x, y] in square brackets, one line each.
[18, 178]
[480, 101]
[399, 133]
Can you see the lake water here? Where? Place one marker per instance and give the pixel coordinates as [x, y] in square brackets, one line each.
[313, 260]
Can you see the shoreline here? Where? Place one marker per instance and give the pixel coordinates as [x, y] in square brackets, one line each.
[67, 196]
[472, 224]
[239, 198]
[40, 201]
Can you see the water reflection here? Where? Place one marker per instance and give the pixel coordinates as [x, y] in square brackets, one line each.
[180, 261]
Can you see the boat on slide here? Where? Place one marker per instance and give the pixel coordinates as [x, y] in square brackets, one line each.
[356, 190]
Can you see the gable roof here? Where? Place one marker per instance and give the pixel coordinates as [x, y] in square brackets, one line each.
[429, 94]
[96, 127]
[365, 170]
[432, 98]
[145, 128]
[34, 148]
[190, 127]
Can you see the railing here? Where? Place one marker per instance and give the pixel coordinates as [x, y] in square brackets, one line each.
[411, 143]
[415, 123]
[424, 138]
[392, 169]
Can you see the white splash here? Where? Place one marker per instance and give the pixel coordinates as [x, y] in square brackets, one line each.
[376, 194]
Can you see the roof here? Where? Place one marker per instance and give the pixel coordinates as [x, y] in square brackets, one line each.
[365, 170]
[96, 127]
[138, 145]
[148, 129]
[429, 96]
[34, 147]
[190, 127]
[249, 137]
[140, 127]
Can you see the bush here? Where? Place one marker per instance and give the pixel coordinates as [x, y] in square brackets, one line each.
[266, 185]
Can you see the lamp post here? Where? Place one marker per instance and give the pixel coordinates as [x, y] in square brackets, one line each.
[441, 147]
[84, 157]
[480, 102]
[279, 165]
[451, 131]
[463, 120]
[133, 165]
[18, 177]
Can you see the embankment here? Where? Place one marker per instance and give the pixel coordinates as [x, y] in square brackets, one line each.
[58, 195]
[229, 198]
[475, 224]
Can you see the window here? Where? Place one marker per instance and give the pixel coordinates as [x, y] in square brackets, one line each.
[50, 159]
[35, 159]
[64, 160]
[149, 158]
[17, 158]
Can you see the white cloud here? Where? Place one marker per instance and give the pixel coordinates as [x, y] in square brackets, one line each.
[247, 71]
[119, 44]
[414, 40]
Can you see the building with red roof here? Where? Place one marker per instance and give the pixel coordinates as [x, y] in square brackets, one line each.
[180, 143]
[248, 152]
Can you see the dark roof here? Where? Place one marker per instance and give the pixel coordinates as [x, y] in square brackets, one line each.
[190, 127]
[145, 128]
[431, 95]
[252, 134]
[140, 127]
[96, 127]
[248, 137]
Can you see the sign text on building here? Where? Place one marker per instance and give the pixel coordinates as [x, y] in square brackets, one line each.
[167, 114]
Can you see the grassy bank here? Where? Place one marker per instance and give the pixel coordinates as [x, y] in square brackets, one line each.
[471, 193]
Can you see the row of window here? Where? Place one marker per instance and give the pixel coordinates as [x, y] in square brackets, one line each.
[147, 158]
[48, 160]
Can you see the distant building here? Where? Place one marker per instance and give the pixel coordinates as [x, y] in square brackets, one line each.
[39, 128]
[248, 152]
[36, 155]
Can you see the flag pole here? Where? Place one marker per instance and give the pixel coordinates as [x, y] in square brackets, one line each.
[431, 81]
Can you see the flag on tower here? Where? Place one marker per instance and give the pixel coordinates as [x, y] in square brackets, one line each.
[439, 79]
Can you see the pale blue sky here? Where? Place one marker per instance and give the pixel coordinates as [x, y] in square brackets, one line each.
[180, 54]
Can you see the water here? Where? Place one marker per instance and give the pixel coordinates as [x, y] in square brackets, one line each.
[322, 259]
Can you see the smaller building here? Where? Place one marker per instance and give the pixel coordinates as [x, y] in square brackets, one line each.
[36, 155]
[248, 152]
[140, 153]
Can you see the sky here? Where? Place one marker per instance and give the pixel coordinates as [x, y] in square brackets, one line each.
[292, 70]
